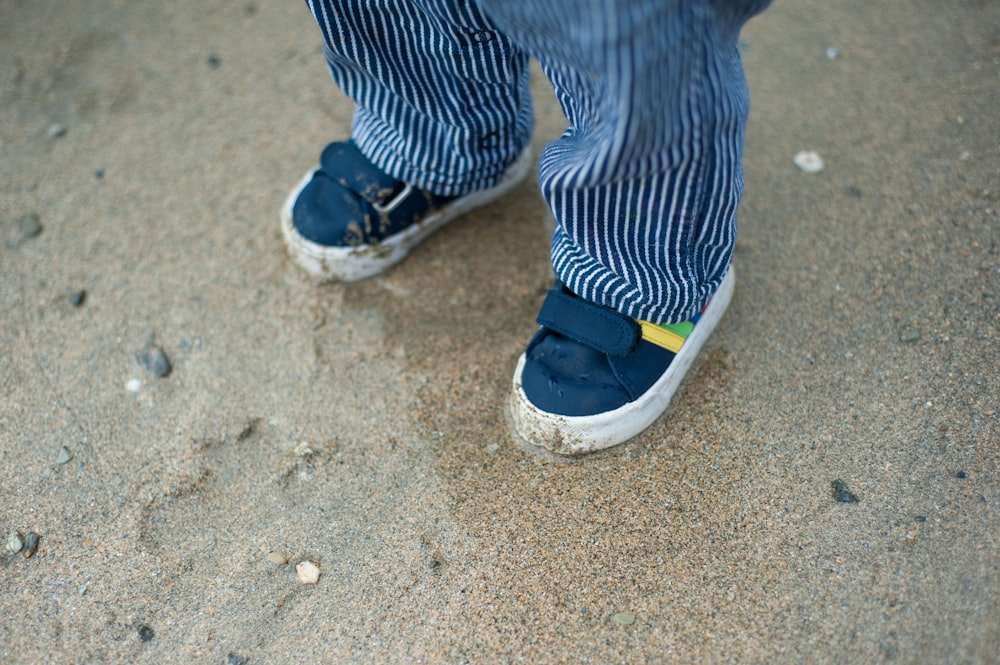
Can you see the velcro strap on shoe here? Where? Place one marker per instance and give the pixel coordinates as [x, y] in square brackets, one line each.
[598, 327]
[345, 164]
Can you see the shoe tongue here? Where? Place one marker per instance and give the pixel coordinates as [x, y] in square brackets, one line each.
[344, 163]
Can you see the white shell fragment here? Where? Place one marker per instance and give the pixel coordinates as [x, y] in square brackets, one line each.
[303, 450]
[307, 572]
[624, 618]
[133, 385]
[809, 161]
[15, 542]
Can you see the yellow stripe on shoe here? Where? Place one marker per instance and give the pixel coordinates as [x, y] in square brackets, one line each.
[670, 336]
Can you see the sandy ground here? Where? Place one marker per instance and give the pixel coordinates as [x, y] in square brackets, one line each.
[155, 143]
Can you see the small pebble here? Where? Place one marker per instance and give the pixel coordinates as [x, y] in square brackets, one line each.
[961, 474]
[29, 225]
[841, 492]
[99, 174]
[909, 333]
[145, 633]
[277, 558]
[233, 659]
[624, 618]
[808, 161]
[213, 62]
[832, 53]
[307, 572]
[64, 456]
[56, 130]
[15, 542]
[133, 385]
[30, 545]
[920, 518]
[154, 360]
[76, 299]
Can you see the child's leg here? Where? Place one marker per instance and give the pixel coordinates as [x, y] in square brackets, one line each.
[644, 187]
[645, 182]
[442, 123]
[442, 96]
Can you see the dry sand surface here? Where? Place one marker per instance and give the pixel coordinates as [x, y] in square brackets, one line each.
[361, 427]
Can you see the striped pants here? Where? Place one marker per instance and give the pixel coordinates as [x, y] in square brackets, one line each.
[644, 183]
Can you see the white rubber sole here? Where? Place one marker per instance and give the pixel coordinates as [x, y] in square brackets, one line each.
[576, 435]
[350, 264]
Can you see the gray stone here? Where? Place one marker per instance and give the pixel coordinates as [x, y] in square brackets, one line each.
[64, 456]
[29, 226]
[842, 493]
[30, 545]
[154, 361]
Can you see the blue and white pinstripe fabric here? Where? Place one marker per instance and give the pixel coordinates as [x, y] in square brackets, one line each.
[644, 183]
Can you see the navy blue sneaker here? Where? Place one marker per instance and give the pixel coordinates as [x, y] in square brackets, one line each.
[348, 220]
[593, 378]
